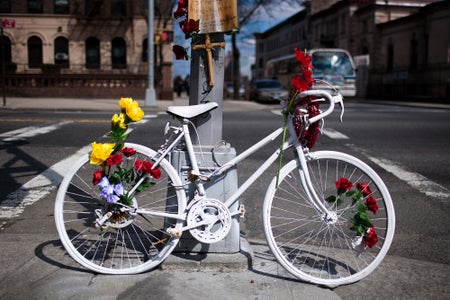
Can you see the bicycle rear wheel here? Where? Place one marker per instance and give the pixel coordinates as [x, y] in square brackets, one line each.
[128, 243]
[328, 252]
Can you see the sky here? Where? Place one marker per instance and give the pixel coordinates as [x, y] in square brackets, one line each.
[260, 22]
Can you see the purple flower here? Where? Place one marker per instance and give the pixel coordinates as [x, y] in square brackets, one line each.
[110, 192]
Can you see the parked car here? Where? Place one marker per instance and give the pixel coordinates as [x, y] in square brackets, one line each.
[229, 87]
[267, 90]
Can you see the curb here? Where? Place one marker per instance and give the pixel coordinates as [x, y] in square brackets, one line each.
[201, 262]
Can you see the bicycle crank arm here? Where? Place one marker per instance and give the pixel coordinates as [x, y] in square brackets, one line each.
[101, 218]
[177, 232]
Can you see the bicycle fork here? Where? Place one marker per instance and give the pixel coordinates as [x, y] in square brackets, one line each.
[329, 217]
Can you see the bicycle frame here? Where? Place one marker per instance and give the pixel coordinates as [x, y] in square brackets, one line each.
[182, 132]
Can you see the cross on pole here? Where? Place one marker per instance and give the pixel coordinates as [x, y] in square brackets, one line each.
[207, 46]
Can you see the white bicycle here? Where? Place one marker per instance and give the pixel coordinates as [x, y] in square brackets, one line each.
[328, 217]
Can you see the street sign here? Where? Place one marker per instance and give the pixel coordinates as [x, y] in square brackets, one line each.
[8, 23]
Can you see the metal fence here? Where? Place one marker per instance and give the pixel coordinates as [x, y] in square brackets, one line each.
[78, 85]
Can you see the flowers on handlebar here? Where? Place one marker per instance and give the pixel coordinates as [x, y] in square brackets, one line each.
[120, 171]
[362, 202]
[302, 81]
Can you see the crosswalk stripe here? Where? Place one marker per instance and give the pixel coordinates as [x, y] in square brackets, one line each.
[38, 187]
[44, 183]
[31, 131]
[331, 133]
[415, 180]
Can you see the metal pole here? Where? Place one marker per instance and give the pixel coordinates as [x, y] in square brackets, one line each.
[3, 63]
[150, 95]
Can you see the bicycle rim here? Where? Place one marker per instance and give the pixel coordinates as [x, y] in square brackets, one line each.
[129, 243]
[320, 252]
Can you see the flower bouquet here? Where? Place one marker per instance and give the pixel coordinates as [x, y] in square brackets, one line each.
[362, 201]
[120, 176]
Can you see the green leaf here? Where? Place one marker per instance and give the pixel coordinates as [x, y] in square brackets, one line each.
[349, 193]
[125, 199]
[331, 199]
[115, 178]
[360, 206]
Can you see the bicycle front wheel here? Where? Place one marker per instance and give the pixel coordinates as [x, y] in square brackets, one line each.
[127, 243]
[326, 250]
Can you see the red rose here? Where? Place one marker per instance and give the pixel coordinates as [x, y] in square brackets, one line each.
[180, 12]
[98, 175]
[299, 83]
[371, 238]
[114, 159]
[303, 59]
[372, 205]
[343, 184]
[156, 173]
[189, 26]
[180, 52]
[183, 3]
[144, 166]
[128, 151]
[364, 188]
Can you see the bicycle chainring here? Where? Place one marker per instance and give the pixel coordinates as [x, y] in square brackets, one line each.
[211, 220]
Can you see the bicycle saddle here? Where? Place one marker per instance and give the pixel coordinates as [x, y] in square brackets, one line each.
[191, 111]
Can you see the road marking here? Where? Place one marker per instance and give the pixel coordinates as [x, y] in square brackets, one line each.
[331, 133]
[415, 180]
[44, 183]
[38, 187]
[27, 132]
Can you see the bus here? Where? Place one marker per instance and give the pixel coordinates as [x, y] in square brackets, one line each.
[334, 66]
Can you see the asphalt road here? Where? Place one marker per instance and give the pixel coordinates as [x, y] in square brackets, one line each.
[407, 146]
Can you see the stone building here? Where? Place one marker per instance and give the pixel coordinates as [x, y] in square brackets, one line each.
[401, 47]
[85, 48]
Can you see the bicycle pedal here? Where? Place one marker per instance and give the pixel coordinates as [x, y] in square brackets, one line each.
[192, 176]
[242, 210]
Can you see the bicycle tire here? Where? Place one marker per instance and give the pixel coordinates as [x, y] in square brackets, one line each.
[134, 243]
[303, 243]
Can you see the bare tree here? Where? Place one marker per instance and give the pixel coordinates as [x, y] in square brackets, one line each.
[248, 10]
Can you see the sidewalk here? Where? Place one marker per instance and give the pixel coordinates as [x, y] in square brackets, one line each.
[83, 104]
[52, 274]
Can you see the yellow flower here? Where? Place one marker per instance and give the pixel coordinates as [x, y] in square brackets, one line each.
[124, 102]
[134, 112]
[100, 152]
[118, 121]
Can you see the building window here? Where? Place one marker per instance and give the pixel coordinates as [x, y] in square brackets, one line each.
[5, 6]
[61, 7]
[5, 44]
[365, 26]
[35, 6]
[118, 8]
[34, 52]
[62, 52]
[413, 55]
[118, 53]
[92, 7]
[343, 24]
[390, 57]
[145, 51]
[92, 53]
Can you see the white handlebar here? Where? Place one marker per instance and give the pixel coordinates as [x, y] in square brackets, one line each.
[328, 98]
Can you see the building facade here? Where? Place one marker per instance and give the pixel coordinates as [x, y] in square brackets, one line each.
[401, 46]
[96, 48]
